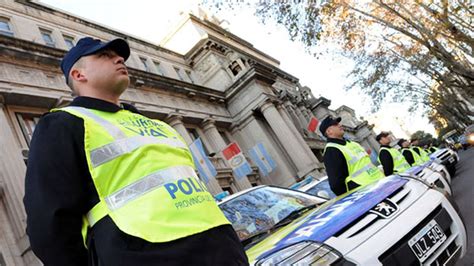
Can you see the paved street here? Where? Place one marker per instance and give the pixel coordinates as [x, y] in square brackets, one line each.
[463, 187]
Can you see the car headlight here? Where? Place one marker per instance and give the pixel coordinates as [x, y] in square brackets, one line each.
[302, 253]
[470, 138]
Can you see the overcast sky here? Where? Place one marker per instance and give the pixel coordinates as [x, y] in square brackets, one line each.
[152, 20]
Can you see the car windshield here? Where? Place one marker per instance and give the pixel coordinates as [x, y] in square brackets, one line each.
[322, 189]
[260, 209]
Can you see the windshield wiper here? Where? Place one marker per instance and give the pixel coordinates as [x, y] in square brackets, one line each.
[254, 238]
[293, 215]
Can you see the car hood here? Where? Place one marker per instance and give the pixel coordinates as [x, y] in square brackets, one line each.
[330, 218]
[440, 153]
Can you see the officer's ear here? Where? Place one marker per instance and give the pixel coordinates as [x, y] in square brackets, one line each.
[77, 71]
[78, 75]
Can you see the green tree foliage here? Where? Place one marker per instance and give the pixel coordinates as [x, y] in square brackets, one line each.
[423, 137]
[417, 52]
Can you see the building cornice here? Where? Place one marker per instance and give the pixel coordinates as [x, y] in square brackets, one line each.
[42, 55]
[140, 78]
[212, 41]
[255, 72]
[94, 25]
[230, 35]
[33, 51]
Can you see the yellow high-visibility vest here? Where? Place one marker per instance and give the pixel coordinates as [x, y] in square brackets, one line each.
[144, 175]
[400, 164]
[361, 170]
[416, 156]
[423, 154]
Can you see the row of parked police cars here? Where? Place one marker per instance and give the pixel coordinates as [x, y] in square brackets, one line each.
[404, 219]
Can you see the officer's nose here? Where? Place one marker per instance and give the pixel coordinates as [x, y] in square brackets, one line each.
[119, 60]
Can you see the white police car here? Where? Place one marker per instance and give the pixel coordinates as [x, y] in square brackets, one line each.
[440, 168]
[393, 221]
[432, 174]
[429, 174]
[446, 157]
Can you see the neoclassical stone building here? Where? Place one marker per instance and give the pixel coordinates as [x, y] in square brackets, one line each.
[203, 80]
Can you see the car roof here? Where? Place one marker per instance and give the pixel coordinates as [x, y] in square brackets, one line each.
[313, 183]
[235, 195]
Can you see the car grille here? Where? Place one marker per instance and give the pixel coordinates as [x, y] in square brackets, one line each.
[444, 156]
[367, 220]
[448, 256]
[401, 254]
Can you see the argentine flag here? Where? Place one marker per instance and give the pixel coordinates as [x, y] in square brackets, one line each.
[262, 159]
[204, 166]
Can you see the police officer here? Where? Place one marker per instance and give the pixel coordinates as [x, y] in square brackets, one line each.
[390, 158]
[410, 155]
[104, 177]
[415, 145]
[347, 164]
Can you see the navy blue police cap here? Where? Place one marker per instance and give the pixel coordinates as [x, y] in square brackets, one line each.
[382, 134]
[88, 46]
[400, 142]
[327, 122]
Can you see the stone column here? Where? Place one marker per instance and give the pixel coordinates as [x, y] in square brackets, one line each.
[176, 121]
[301, 118]
[373, 143]
[287, 139]
[218, 143]
[306, 113]
[12, 171]
[301, 141]
[294, 117]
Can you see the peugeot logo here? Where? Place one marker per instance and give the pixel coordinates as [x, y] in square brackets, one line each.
[384, 209]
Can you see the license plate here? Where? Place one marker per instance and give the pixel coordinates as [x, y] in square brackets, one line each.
[427, 240]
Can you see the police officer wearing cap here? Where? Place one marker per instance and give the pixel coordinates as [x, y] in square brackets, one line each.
[410, 155]
[106, 185]
[390, 158]
[415, 146]
[348, 165]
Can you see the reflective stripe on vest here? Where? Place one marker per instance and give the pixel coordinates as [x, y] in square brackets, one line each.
[122, 146]
[360, 168]
[137, 189]
[400, 164]
[144, 175]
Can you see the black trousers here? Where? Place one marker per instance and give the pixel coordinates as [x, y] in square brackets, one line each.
[108, 246]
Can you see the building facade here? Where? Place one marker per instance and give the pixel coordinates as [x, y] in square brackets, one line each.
[202, 80]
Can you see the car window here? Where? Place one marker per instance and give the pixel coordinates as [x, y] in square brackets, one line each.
[258, 210]
[322, 189]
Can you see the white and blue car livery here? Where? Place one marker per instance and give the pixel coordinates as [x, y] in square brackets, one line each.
[386, 222]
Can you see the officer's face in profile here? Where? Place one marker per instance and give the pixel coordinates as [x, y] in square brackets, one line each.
[335, 131]
[385, 140]
[105, 71]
